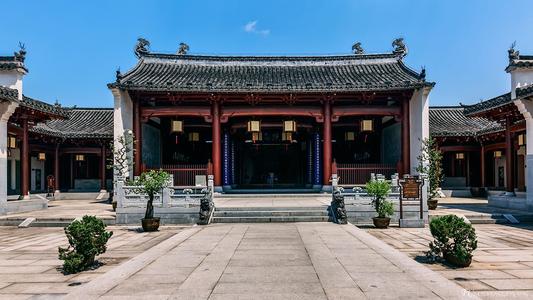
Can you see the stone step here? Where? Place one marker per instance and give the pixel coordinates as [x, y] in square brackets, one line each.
[270, 208]
[270, 213]
[48, 222]
[270, 219]
[274, 195]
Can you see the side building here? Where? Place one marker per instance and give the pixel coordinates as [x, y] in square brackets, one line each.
[46, 146]
[486, 145]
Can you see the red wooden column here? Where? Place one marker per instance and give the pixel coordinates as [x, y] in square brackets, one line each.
[137, 137]
[25, 159]
[327, 142]
[217, 167]
[509, 157]
[102, 168]
[406, 139]
[56, 167]
[482, 155]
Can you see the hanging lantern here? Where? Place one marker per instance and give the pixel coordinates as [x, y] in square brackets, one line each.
[80, 157]
[194, 136]
[42, 156]
[176, 126]
[349, 136]
[460, 155]
[521, 139]
[289, 126]
[12, 142]
[254, 126]
[286, 136]
[367, 125]
[497, 154]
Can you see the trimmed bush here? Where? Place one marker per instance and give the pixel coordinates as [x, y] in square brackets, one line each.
[87, 238]
[455, 240]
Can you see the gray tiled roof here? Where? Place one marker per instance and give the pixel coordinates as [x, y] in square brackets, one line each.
[43, 106]
[195, 73]
[525, 91]
[452, 121]
[522, 61]
[81, 123]
[8, 94]
[11, 63]
[488, 104]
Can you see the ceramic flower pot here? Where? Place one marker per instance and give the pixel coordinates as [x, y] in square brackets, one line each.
[461, 263]
[381, 222]
[432, 204]
[150, 224]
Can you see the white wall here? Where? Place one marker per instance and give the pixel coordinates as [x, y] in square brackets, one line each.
[520, 78]
[6, 110]
[12, 79]
[419, 123]
[123, 117]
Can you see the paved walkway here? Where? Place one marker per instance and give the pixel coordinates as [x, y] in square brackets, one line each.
[68, 209]
[29, 263]
[271, 261]
[502, 266]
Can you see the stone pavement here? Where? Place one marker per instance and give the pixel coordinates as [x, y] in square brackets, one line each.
[271, 261]
[68, 209]
[28, 259]
[502, 266]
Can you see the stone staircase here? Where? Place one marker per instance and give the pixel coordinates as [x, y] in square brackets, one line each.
[269, 214]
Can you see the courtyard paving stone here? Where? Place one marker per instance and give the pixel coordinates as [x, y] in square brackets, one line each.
[271, 261]
[29, 266]
[502, 265]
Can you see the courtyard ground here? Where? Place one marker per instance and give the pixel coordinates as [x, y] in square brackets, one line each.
[29, 263]
[502, 266]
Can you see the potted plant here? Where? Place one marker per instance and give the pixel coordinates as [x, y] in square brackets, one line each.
[150, 183]
[430, 163]
[379, 190]
[454, 239]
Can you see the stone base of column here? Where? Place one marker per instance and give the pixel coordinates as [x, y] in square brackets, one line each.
[27, 197]
[510, 194]
[327, 188]
[57, 195]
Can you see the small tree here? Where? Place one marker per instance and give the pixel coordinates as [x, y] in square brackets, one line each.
[430, 163]
[150, 183]
[379, 190]
[87, 238]
[122, 161]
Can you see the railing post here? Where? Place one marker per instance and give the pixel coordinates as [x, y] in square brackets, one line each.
[119, 191]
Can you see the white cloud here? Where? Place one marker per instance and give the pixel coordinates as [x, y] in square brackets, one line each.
[251, 27]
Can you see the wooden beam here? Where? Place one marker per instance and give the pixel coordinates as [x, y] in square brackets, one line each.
[459, 148]
[344, 111]
[492, 147]
[244, 111]
[177, 111]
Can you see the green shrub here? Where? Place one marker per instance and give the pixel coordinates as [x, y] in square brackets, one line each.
[452, 236]
[152, 182]
[87, 238]
[379, 190]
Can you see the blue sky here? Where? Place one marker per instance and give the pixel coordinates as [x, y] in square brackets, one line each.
[74, 47]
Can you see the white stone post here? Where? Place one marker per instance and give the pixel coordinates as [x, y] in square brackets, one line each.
[419, 126]
[119, 192]
[122, 119]
[6, 110]
[526, 108]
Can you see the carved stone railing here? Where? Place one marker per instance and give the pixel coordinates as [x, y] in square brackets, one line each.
[172, 197]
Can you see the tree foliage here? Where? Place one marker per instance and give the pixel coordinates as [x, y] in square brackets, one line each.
[87, 238]
[430, 163]
[151, 183]
[379, 190]
[122, 161]
[452, 236]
